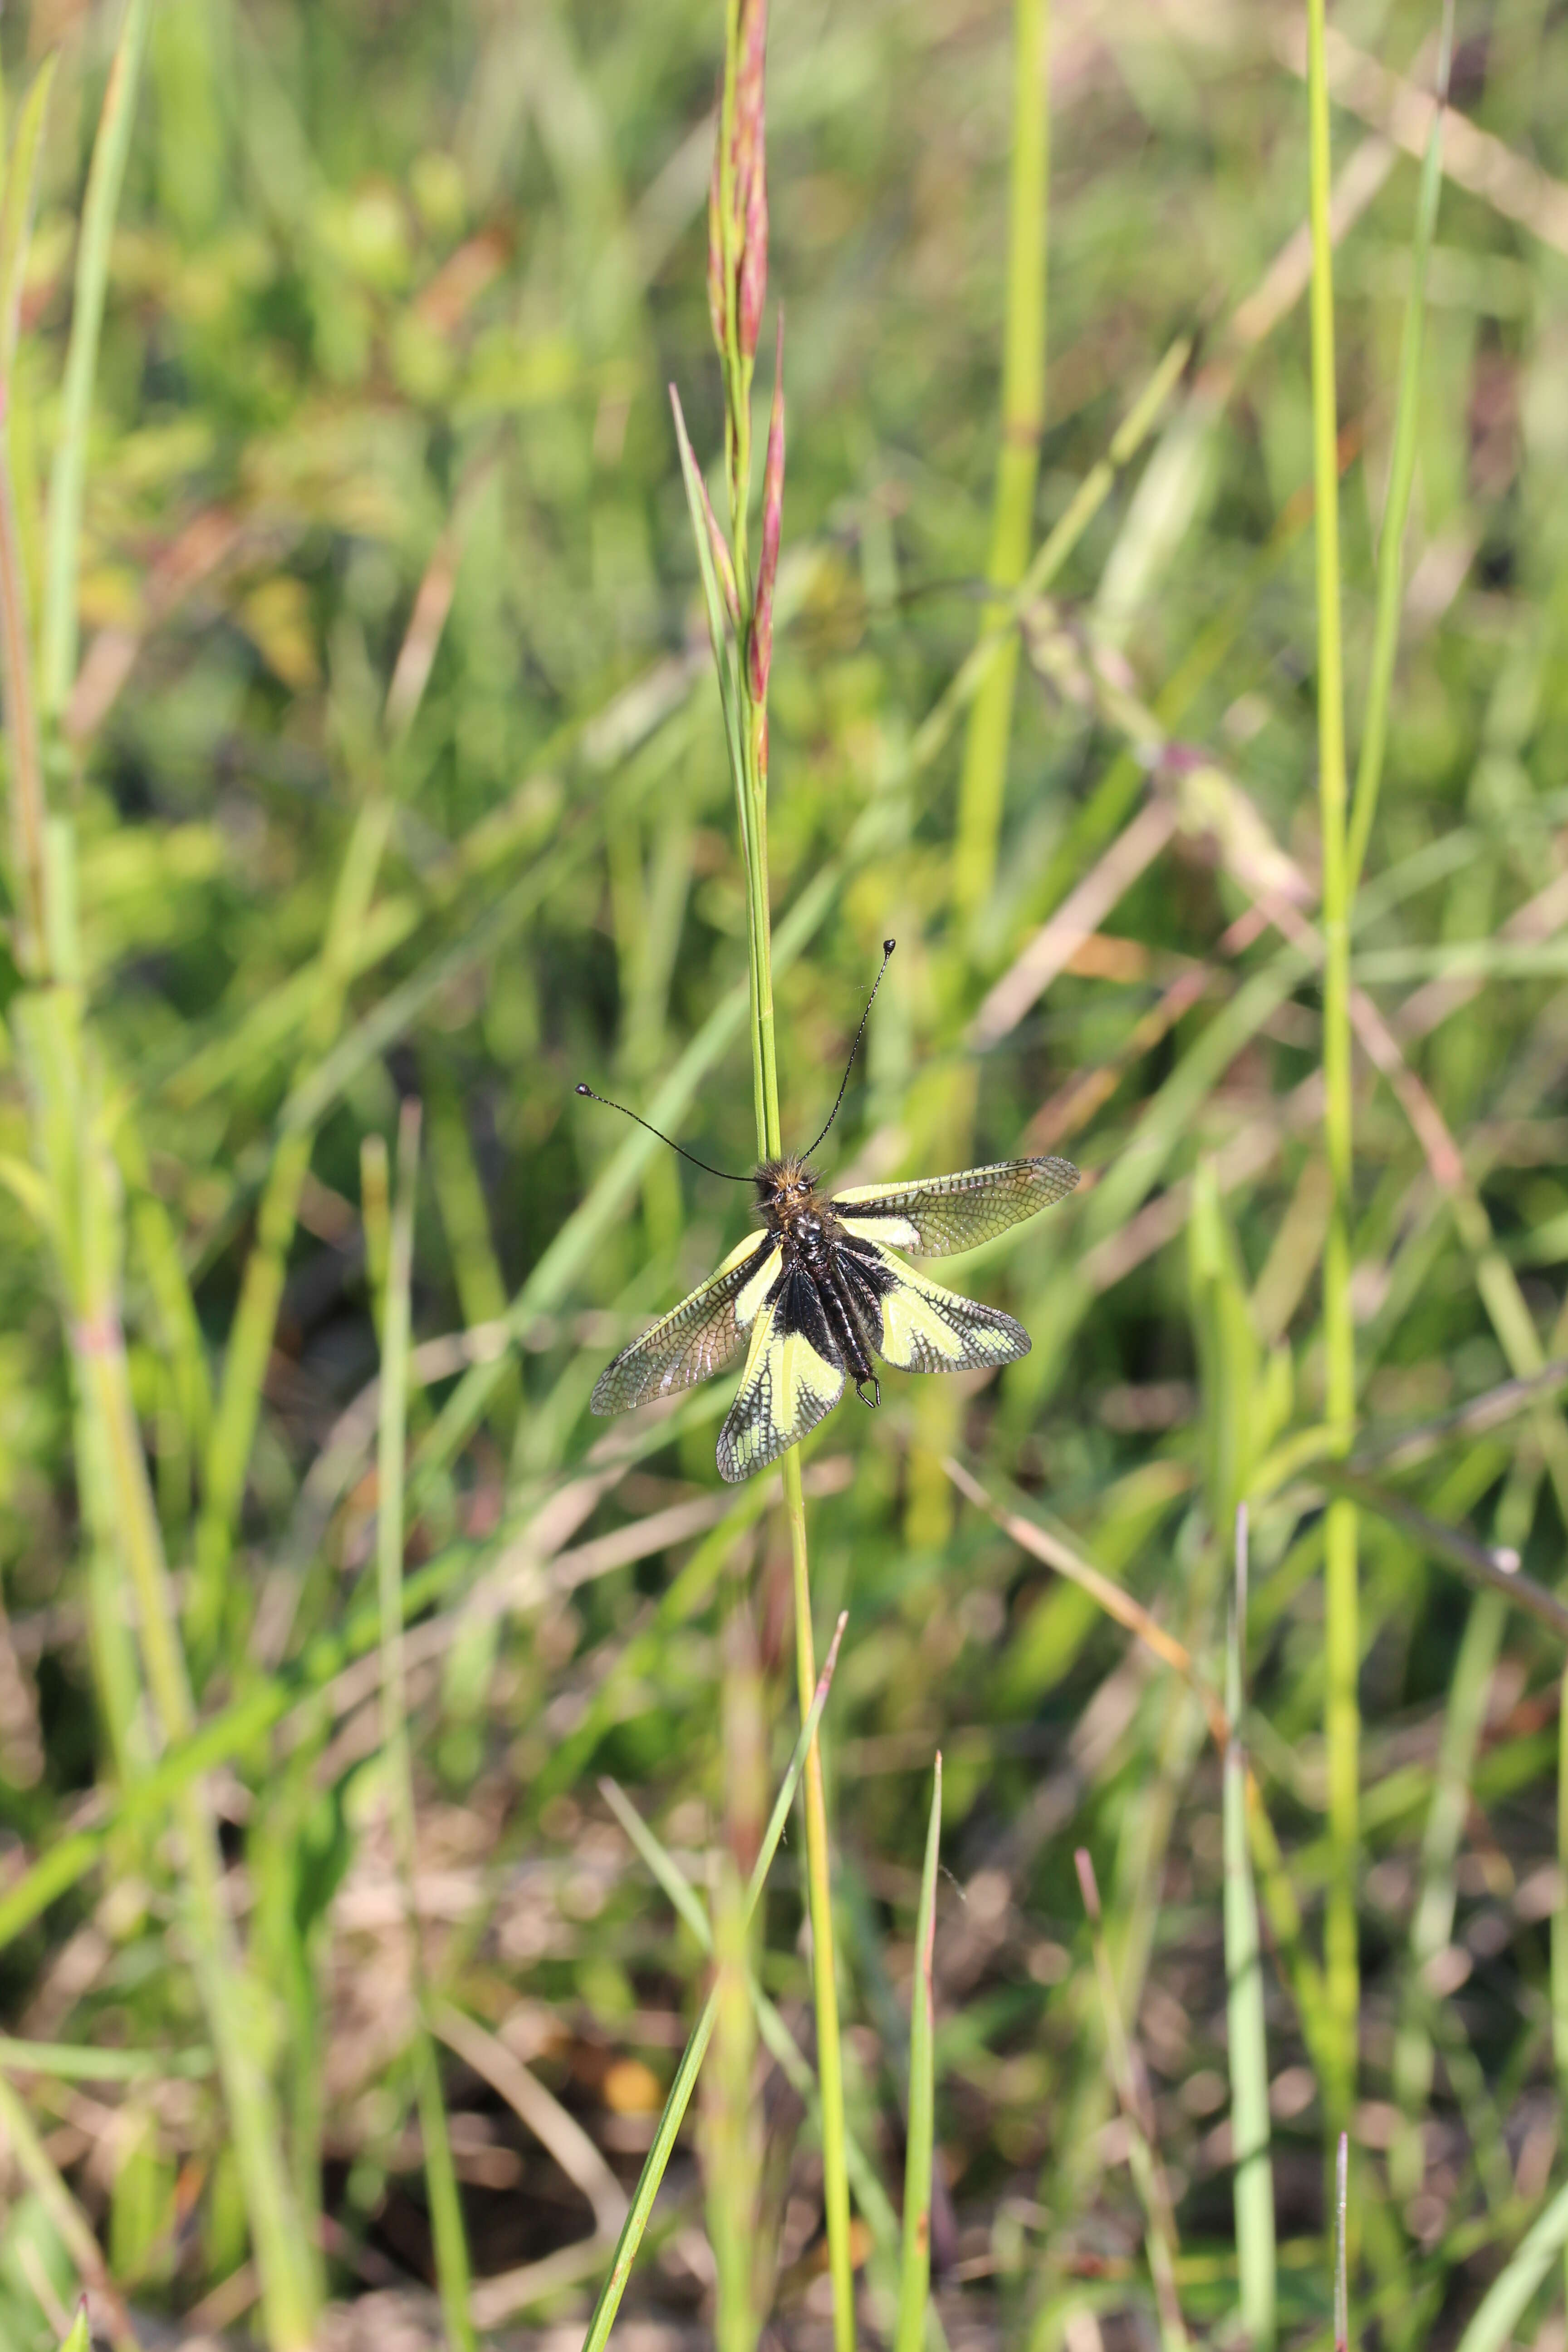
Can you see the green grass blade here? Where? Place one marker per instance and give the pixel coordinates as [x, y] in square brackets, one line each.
[1342, 1596]
[452, 2266]
[914, 2279]
[67, 477]
[16, 211]
[32, 2162]
[1243, 1974]
[780, 2043]
[1341, 2251]
[1506, 2300]
[661, 1864]
[685, 2082]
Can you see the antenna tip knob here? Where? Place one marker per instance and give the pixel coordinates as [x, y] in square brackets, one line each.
[583, 1090]
[887, 946]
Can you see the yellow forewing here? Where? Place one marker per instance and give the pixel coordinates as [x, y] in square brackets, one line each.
[757, 1287]
[897, 1232]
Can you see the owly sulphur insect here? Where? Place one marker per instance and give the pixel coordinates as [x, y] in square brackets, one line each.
[819, 1294]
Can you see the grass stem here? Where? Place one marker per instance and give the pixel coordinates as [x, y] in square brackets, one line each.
[914, 2279]
[1341, 1599]
[67, 477]
[452, 2269]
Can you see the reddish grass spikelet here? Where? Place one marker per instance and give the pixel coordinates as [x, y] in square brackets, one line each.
[723, 563]
[738, 245]
[760, 652]
[751, 174]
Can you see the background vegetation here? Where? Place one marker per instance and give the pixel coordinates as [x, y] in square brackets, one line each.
[362, 749]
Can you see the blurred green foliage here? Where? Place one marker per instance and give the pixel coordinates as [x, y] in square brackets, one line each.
[388, 607]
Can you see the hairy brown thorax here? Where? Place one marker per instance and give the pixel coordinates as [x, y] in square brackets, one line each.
[786, 1189]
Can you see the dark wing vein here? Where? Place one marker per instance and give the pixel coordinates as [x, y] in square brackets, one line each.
[942, 1214]
[925, 1328]
[794, 1375]
[695, 1338]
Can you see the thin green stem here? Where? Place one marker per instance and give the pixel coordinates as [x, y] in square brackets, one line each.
[983, 784]
[1342, 1643]
[825, 1980]
[1248, 2047]
[452, 2268]
[28, 804]
[67, 477]
[33, 2161]
[914, 2279]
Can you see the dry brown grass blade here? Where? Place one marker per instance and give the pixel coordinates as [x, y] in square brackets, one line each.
[1077, 918]
[543, 2114]
[1112, 1598]
[1473, 159]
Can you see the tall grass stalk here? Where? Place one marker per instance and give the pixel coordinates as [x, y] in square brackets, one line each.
[732, 2134]
[1341, 1719]
[1342, 2249]
[740, 614]
[452, 2268]
[1248, 2045]
[914, 2277]
[69, 1125]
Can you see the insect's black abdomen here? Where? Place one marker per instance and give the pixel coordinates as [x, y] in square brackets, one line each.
[846, 1315]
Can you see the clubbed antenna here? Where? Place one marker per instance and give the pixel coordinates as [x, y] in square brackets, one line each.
[703, 1164]
[887, 947]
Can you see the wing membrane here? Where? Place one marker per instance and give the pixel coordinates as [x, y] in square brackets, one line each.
[941, 1214]
[695, 1338]
[794, 1375]
[925, 1328]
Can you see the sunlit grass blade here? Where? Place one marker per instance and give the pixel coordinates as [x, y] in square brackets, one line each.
[452, 2267]
[1244, 1972]
[33, 2163]
[58, 638]
[1494, 2325]
[780, 2043]
[1342, 1718]
[914, 2278]
[685, 2083]
[1341, 2251]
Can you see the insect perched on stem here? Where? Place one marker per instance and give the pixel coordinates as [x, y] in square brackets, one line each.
[818, 1293]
